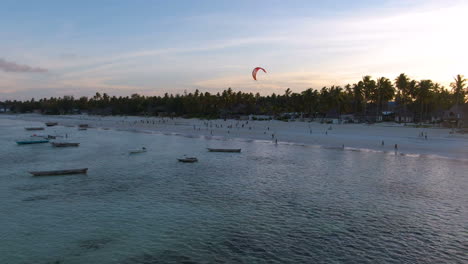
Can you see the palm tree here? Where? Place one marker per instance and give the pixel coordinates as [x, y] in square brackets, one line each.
[369, 87]
[458, 88]
[402, 84]
[424, 92]
[385, 91]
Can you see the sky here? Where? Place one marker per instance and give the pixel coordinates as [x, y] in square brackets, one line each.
[56, 48]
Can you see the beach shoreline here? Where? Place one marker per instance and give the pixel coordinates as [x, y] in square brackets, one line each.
[380, 137]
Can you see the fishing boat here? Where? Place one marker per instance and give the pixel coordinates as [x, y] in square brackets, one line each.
[223, 150]
[34, 128]
[82, 128]
[188, 159]
[25, 142]
[64, 144]
[59, 172]
[84, 125]
[49, 124]
[135, 151]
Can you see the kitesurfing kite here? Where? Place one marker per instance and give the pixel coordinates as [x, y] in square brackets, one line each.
[254, 72]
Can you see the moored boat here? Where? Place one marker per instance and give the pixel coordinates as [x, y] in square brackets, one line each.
[84, 125]
[223, 150]
[59, 172]
[82, 128]
[188, 159]
[49, 124]
[64, 144]
[34, 128]
[25, 142]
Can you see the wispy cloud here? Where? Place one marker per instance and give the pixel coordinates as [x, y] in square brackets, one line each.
[8, 66]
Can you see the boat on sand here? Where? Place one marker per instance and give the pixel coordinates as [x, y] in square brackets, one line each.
[59, 172]
[34, 128]
[223, 150]
[49, 124]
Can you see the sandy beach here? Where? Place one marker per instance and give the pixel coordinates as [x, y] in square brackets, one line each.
[380, 137]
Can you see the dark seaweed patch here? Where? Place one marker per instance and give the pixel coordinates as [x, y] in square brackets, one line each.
[167, 256]
[37, 198]
[94, 244]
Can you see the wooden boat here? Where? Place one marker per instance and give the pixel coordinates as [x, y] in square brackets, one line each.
[34, 128]
[49, 124]
[84, 125]
[135, 151]
[64, 144]
[223, 150]
[188, 159]
[59, 172]
[25, 142]
[82, 128]
[51, 137]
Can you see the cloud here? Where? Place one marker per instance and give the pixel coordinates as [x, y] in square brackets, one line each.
[14, 67]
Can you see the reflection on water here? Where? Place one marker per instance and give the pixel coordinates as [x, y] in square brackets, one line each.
[270, 203]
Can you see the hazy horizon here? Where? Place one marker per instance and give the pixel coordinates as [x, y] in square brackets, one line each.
[54, 48]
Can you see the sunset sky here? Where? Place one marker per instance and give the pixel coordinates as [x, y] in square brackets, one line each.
[56, 48]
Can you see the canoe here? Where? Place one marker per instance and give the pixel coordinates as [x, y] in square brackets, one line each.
[64, 144]
[223, 150]
[59, 172]
[32, 142]
[84, 125]
[34, 128]
[188, 160]
[49, 124]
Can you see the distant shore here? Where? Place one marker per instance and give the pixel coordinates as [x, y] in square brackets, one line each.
[380, 137]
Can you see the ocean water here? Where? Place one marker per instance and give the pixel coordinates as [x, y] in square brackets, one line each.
[269, 204]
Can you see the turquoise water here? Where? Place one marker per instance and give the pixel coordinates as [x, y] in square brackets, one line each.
[268, 204]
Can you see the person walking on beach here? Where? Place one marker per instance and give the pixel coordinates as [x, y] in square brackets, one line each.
[383, 143]
[396, 148]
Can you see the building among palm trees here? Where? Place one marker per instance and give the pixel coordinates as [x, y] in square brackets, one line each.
[457, 116]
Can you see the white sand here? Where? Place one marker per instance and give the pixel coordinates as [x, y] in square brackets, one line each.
[353, 136]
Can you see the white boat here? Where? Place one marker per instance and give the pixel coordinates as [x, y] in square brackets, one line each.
[135, 151]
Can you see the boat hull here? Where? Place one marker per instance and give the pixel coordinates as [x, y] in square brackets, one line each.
[188, 160]
[224, 150]
[59, 172]
[137, 151]
[62, 145]
[31, 142]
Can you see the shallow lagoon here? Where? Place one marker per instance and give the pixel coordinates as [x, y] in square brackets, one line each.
[269, 204]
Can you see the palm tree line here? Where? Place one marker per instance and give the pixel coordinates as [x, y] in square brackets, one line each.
[366, 98]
